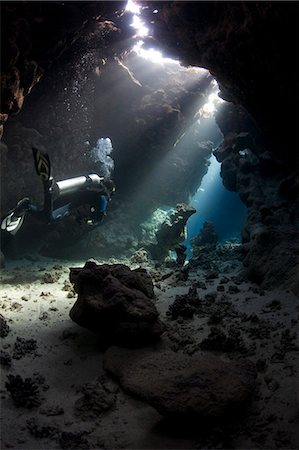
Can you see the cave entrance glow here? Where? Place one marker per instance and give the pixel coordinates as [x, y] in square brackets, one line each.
[212, 201]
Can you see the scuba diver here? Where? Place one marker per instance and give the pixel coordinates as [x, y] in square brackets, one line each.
[85, 197]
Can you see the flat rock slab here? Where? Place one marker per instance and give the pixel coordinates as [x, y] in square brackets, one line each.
[182, 386]
[116, 303]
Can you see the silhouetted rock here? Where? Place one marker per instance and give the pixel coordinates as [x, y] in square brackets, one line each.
[116, 303]
[206, 237]
[181, 386]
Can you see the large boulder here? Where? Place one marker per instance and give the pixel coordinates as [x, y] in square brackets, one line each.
[179, 386]
[116, 303]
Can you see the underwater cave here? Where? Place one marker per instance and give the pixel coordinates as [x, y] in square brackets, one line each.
[149, 225]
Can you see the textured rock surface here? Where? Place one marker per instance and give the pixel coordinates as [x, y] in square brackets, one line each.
[179, 386]
[269, 189]
[172, 231]
[29, 46]
[116, 303]
[207, 236]
[273, 257]
[97, 398]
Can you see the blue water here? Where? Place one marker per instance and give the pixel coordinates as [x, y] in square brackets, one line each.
[216, 204]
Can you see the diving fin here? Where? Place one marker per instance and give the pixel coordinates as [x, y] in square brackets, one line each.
[15, 218]
[42, 164]
[12, 223]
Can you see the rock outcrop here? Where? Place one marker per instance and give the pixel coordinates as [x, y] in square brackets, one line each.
[207, 236]
[180, 386]
[30, 48]
[272, 258]
[116, 303]
[171, 232]
[242, 45]
[269, 190]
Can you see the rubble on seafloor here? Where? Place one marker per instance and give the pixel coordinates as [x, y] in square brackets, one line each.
[225, 355]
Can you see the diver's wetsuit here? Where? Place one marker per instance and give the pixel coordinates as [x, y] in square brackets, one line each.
[89, 207]
[86, 206]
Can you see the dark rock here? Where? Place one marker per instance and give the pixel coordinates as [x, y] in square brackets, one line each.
[4, 328]
[181, 386]
[204, 247]
[206, 237]
[181, 252]
[116, 303]
[23, 392]
[184, 306]
[183, 273]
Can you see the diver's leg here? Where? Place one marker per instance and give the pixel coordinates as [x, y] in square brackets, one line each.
[48, 199]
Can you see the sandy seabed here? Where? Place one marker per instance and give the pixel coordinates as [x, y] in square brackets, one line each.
[60, 357]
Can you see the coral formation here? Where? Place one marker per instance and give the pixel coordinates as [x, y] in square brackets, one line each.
[97, 398]
[24, 347]
[23, 392]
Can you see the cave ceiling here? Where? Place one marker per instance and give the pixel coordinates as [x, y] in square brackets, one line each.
[249, 47]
